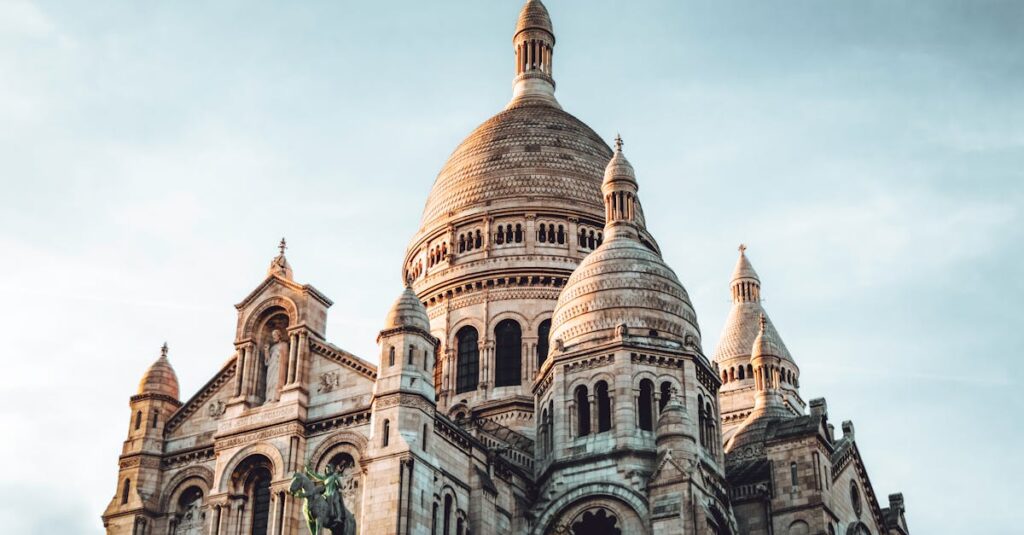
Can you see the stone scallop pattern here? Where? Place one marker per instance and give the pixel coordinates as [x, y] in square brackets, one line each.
[623, 282]
[525, 151]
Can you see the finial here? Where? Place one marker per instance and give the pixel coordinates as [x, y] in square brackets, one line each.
[743, 248]
[282, 246]
[618, 142]
[163, 350]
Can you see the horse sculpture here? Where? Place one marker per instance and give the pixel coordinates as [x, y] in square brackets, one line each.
[318, 511]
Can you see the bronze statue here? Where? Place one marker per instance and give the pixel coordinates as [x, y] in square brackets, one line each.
[323, 506]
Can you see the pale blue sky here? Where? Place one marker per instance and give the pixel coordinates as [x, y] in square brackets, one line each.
[871, 154]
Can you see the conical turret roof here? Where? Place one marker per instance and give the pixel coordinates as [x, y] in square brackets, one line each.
[407, 311]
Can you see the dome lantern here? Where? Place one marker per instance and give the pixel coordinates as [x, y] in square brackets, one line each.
[534, 43]
[619, 189]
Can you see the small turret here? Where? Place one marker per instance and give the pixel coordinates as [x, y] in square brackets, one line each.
[407, 357]
[139, 476]
[620, 195]
[745, 284]
[534, 43]
[676, 431]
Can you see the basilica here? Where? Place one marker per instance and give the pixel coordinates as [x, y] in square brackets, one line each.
[542, 371]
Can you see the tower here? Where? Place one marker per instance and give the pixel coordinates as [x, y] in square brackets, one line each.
[138, 480]
[398, 458]
[534, 44]
[733, 354]
[626, 355]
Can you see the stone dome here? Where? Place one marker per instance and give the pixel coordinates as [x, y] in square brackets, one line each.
[407, 311]
[536, 152]
[623, 283]
[160, 378]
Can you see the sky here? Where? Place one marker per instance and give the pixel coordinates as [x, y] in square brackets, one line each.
[869, 153]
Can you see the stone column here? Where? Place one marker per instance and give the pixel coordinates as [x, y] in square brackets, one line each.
[531, 232]
[293, 348]
[573, 237]
[252, 361]
[303, 358]
[215, 521]
[239, 370]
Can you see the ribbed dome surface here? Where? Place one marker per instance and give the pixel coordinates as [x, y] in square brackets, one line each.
[741, 328]
[407, 311]
[525, 151]
[160, 379]
[622, 282]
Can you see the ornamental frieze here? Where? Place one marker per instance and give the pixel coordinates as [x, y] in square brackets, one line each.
[290, 428]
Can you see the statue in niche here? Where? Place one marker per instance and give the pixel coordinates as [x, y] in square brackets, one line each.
[275, 362]
[190, 518]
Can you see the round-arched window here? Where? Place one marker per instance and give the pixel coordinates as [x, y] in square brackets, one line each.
[855, 500]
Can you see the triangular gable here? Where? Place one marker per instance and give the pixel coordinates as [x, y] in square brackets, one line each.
[850, 456]
[669, 469]
[305, 289]
[205, 393]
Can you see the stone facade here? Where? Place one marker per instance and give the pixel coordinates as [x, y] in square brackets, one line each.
[542, 372]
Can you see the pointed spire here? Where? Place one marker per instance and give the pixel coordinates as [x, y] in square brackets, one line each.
[279, 266]
[534, 43]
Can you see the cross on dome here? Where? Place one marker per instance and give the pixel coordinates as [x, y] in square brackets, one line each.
[282, 246]
[163, 350]
[618, 143]
[743, 248]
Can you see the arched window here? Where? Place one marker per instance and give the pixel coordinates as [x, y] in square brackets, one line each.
[542, 235]
[412, 353]
[701, 424]
[499, 237]
[124, 491]
[604, 407]
[391, 356]
[519, 233]
[479, 241]
[508, 353]
[551, 425]
[156, 416]
[447, 514]
[260, 484]
[582, 239]
[543, 431]
[543, 331]
[425, 437]
[551, 234]
[561, 234]
[600, 239]
[732, 374]
[385, 434]
[433, 520]
[750, 371]
[709, 422]
[666, 394]
[469, 360]
[582, 411]
[725, 377]
[459, 527]
[741, 373]
[645, 403]
[793, 474]
[138, 419]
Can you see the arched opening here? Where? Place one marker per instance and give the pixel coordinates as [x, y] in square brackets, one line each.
[424, 446]
[543, 331]
[596, 522]
[385, 433]
[604, 407]
[741, 375]
[391, 356]
[582, 411]
[666, 395]
[251, 479]
[551, 426]
[188, 516]
[125, 488]
[447, 514]
[271, 366]
[508, 353]
[645, 404]
[138, 420]
[468, 373]
[701, 424]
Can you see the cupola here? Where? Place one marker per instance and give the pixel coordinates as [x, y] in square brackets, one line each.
[534, 43]
[160, 377]
[407, 311]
